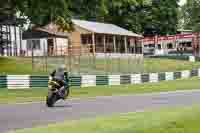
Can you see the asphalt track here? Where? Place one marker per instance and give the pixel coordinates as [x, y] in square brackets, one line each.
[28, 115]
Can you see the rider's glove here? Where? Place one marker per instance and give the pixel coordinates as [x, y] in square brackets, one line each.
[50, 78]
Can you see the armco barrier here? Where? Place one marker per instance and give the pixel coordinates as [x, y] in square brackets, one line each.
[27, 81]
[39, 81]
[18, 81]
[3, 82]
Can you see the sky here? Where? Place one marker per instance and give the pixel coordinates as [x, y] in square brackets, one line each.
[182, 2]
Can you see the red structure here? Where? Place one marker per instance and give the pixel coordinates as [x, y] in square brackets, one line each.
[160, 39]
[196, 44]
[172, 43]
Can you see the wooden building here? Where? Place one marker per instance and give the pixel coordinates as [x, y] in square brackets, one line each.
[47, 40]
[97, 37]
[87, 37]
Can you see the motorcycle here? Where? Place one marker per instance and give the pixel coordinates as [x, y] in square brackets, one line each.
[54, 93]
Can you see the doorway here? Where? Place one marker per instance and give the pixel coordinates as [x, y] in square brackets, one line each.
[50, 45]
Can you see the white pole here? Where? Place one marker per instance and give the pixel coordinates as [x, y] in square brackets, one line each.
[114, 43]
[125, 44]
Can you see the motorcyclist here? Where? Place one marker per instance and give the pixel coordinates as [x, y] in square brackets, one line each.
[61, 77]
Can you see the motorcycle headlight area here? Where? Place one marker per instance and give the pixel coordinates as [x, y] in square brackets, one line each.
[50, 86]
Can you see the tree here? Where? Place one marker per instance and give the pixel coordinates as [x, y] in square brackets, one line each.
[191, 16]
[6, 7]
[136, 15]
[42, 12]
[86, 9]
[140, 16]
[195, 16]
[165, 16]
[121, 12]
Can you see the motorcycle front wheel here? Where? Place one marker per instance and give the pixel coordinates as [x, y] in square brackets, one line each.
[51, 99]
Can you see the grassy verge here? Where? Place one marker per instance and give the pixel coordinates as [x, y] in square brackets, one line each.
[179, 120]
[10, 96]
[14, 65]
[111, 66]
[166, 65]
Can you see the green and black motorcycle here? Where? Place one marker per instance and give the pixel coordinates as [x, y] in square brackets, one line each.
[55, 91]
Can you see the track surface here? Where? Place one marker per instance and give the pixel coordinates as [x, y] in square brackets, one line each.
[18, 116]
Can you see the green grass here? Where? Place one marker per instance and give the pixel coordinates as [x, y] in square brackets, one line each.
[87, 66]
[166, 65]
[12, 96]
[179, 120]
[14, 65]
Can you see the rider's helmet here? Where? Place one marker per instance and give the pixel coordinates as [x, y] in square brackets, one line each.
[61, 68]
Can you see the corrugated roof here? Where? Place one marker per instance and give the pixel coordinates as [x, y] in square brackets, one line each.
[104, 28]
[50, 30]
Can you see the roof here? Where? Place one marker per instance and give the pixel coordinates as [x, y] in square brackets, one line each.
[10, 20]
[50, 30]
[103, 28]
[36, 34]
[185, 30]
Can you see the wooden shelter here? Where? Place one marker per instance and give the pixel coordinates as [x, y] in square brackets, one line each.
[97, 37]
[90, 37]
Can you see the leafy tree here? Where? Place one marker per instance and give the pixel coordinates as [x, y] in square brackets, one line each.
[85, 9]
[165, 16]
[137, 15]
[42, 12]
[191, 16]
[140, 16]
[7, 8]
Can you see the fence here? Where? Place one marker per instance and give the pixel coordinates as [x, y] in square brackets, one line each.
[26, 81]
[82, 61]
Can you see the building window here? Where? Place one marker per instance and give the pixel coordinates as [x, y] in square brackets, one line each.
[189, 44]
[34, 43]
[159, 46]
[151, 45]
[110, 40]
[99, 39]
[86, 39]
[169, 46]
[83, 40]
